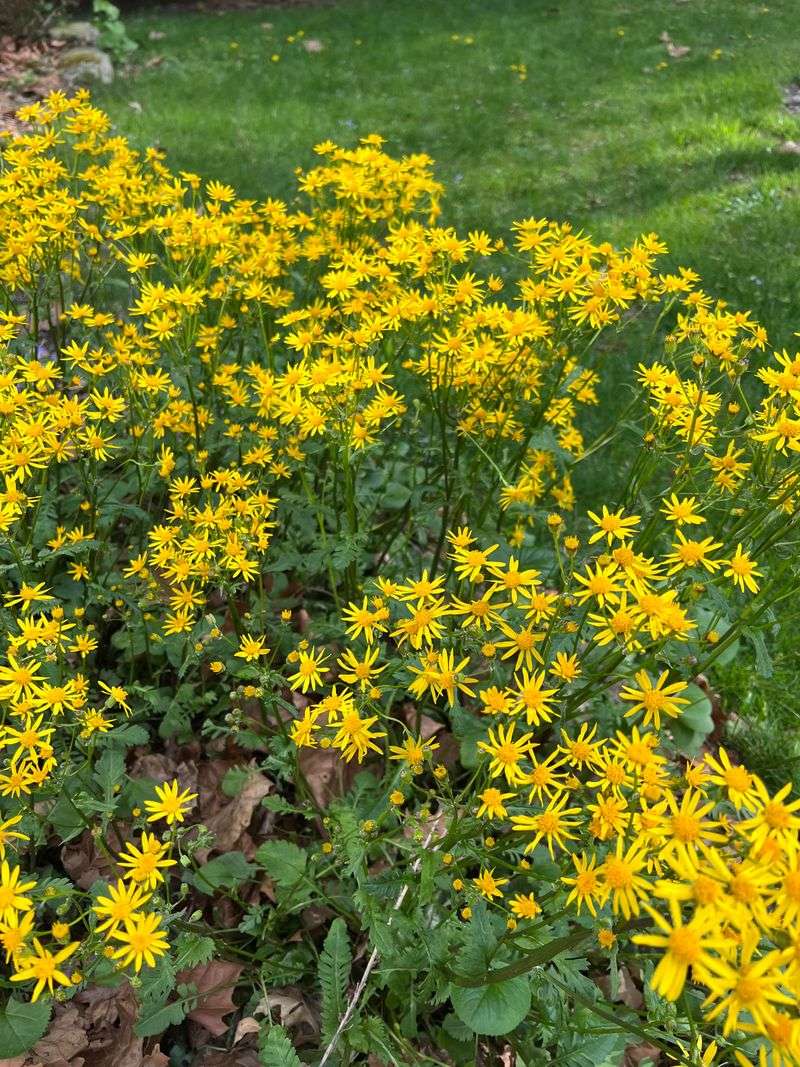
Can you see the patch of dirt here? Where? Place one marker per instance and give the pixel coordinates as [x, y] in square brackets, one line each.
[791, 97]
[28, 71]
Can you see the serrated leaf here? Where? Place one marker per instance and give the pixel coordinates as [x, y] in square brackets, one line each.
[154, 1019]
[223, 872]
[128, 736]
[493, 1009]
[193, 949]
[284, 861]
[334, 975]
[21, 1025]
[278, 1051]
[109, 771]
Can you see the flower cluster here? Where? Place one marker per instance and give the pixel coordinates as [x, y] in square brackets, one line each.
[229, 431]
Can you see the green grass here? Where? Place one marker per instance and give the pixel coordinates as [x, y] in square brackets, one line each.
[597, 133]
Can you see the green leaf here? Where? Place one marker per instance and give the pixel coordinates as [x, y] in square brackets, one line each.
[697, 714]
[480, 943]
[21, 1025]
[65, 820]
[235, 780]
[278, 1051]
[494, 1009]
[193, 949]
[109, 771]
[763, 658]
[395, 495]
[224, 872]
[284, 861]
[157, 985]
[154, 1019]
[334, 974]
[695, 722]
[128, 736]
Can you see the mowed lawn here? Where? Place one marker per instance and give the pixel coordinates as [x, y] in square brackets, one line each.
[602, 127]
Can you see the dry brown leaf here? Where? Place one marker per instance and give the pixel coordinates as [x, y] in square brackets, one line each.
[325, 773]
[230, 822]
[674, 51]
[428, 727]
[246, 1026]
[289, 1008]
[636, 1054]
[64, 1039]
[789, 148]
[156, 1058]
[84, 862]
[215, 983]
[237, 1058]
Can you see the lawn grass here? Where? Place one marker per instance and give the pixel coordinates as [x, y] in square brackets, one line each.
[606, 129]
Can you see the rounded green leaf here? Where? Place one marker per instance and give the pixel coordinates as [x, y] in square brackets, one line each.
[495, 1009]
[21, 1025]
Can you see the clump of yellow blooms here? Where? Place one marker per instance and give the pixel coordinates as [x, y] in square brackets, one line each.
[216, 410]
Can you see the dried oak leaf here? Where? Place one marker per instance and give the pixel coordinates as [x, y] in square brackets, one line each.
[637, 1054]
[238, 1058]
[215, 983]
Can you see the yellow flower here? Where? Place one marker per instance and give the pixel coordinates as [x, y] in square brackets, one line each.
[145, 863]
[42, 965]
[487, 885]
[251, 648]
[492, 803]
[143, 941]
[171, 805]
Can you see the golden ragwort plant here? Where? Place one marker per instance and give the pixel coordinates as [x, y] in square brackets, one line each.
[231, 430]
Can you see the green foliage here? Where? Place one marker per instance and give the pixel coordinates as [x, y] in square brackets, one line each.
[223, 872]
[283, 861]
[113, 35]
[493, 1009]
[21, 1025]
[334, 975]
[277, 1050]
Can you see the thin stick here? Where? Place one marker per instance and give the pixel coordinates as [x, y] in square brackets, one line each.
[371, 962]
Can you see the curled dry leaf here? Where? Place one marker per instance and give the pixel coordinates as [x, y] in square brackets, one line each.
[93, 1030]
[674, 51]
[246, 1026]
[289, 1008]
